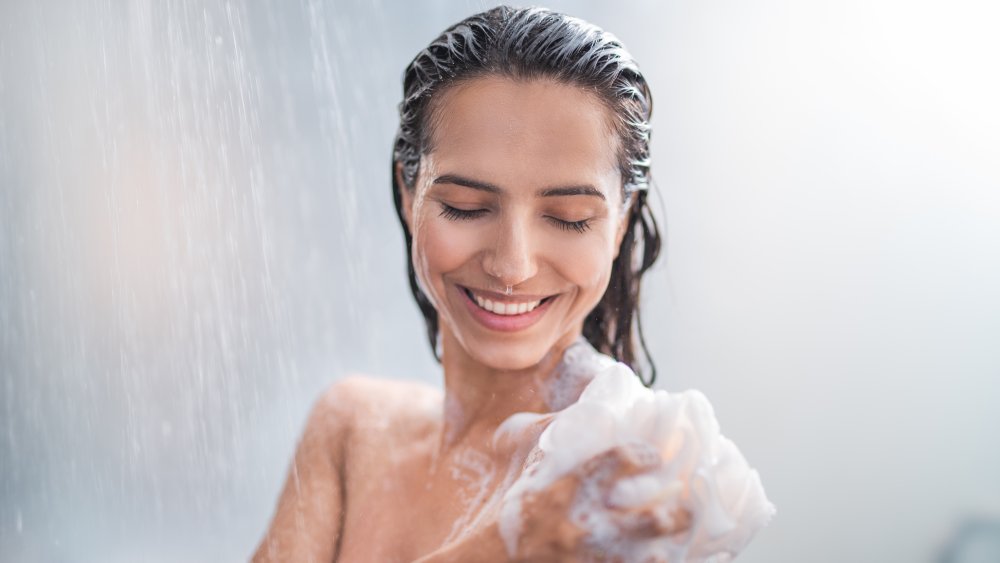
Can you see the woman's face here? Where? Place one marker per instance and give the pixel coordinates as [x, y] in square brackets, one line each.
[520, 189]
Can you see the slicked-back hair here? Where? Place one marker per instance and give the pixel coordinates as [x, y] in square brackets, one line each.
[529, 44]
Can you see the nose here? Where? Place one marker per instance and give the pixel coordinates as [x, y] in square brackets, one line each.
[511, 259]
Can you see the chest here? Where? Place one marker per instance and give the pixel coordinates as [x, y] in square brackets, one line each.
[403, 503]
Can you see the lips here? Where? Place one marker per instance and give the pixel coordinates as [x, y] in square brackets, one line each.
[503, 307]
[505, 313]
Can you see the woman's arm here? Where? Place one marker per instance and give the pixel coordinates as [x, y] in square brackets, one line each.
[484, 546]
[546, 531]
[308, 521]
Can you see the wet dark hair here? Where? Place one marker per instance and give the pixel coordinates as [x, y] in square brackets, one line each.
[535, 43]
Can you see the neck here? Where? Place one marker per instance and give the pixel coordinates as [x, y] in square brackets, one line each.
[479, 397]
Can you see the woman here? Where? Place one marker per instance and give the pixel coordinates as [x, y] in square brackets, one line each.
[520, 174]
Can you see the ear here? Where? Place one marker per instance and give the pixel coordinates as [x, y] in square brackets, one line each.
[406, 197]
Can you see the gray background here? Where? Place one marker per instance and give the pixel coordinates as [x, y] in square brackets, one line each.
[197, 237]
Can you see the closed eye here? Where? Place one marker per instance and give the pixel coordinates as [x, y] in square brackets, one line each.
[578, 226]
[456, 214]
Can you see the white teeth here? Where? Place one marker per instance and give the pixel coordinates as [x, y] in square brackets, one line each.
[505, 308]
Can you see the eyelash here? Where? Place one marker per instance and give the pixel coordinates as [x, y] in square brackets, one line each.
[456, 214]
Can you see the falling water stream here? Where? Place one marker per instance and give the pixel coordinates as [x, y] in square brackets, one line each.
[185, 256]
[197, 237]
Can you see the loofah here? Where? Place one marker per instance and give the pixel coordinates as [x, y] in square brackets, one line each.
[702, 475]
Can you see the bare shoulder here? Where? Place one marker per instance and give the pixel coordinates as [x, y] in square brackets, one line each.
[359, 391]
[358, 400]
[348, 424]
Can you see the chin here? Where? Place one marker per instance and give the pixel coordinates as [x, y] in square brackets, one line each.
[508, 355]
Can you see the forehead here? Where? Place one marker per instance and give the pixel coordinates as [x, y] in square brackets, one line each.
[524, 131]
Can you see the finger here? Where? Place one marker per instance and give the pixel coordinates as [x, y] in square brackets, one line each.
[653, 522]
[638, 457]
[623, 460]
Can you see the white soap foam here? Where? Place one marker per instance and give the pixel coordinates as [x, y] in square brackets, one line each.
[476, 473]
[579, 364]
[704, 474]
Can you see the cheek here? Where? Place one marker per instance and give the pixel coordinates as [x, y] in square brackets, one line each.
[586, 262]
[439, 248]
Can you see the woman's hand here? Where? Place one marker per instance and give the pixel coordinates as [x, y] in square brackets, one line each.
[547, 529]
[549, 533]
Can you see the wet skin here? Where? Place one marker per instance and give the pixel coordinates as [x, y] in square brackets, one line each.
[520, 190]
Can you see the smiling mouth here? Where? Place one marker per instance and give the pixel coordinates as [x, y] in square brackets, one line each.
[509, 307]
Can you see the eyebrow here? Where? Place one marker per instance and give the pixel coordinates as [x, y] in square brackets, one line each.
[584, 189]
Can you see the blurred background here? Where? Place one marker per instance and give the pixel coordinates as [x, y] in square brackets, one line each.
[197, 237]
